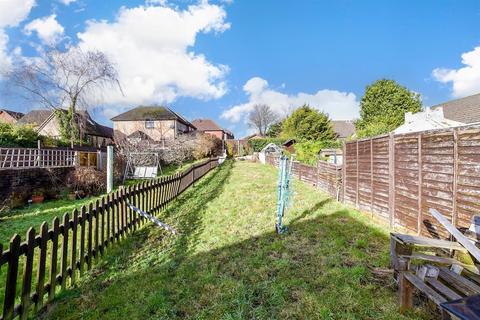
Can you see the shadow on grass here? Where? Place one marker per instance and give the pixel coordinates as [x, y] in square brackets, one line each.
[322, 268]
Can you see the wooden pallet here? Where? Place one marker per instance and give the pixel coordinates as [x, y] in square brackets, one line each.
[442, 270]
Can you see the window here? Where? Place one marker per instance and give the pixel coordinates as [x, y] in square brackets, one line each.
[149, 124]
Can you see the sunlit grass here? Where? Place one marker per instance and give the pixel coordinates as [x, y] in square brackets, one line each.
[228, 263]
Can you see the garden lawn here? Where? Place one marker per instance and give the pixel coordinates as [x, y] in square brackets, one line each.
[20, 220]
[228, 263]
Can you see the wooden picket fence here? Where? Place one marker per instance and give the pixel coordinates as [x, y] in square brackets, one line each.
[72, 244]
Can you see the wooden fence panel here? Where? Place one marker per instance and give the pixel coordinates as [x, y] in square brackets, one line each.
[380, 178]
[100, 226]
[364, 174]
[411, 173]
[350, 167]
[437, 180]
[406, 182]
[326, 176]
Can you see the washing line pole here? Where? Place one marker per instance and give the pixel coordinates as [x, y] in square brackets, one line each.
[283, 193]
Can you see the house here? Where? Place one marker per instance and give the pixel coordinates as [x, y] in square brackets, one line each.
[343, 128]
[46, 123]
[465, 110]
[8, 116]
[150, 122]
[430, 119]
[210, 127]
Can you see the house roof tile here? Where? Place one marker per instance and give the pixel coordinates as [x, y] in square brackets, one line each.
[143, 113]
[465, 110]
[343, 128]
[14, 114]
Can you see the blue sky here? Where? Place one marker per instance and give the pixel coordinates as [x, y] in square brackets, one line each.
[217, 59]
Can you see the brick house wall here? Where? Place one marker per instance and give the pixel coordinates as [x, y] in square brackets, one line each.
[216, 133]
[162, 130]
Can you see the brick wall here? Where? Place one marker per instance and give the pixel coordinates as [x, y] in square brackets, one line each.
[16, 186]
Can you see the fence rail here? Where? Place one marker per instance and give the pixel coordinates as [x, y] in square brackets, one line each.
[71, 244]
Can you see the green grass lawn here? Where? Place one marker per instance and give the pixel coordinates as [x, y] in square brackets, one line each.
[19, 220]
[228, 263]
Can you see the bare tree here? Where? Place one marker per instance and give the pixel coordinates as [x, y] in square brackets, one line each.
[181, 149]
[261, 117]
[71, 80]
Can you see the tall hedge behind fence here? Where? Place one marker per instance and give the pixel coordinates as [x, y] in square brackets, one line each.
[57, 256]
[398, 178]
[326, 176]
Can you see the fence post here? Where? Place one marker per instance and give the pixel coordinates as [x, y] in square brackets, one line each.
[455, 177]
[109, 169]
[27, 274]
[420, 183]
[357, 188]
[344, 171]
[391, 179]
[371, 176]
[12, 274]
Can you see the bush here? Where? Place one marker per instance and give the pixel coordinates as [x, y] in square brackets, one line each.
[308, 151]
[17, 136]
[87, 179]
[258, 144]
[207, 145]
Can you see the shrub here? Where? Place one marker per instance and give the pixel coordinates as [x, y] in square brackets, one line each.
[258, 144]
[308, 151]
[87, 179]
[207, 145]
[17, 136]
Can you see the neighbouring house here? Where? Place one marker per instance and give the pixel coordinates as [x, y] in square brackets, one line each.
[210, 127]
[46, 123]
[430, 119]
[465, 110]
[343, 128]
[160, 124]
[8, 116]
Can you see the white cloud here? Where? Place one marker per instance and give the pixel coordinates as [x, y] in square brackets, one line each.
[47, 28]
[151, 47]
[67, 2]
[465, 80]
[339, 105]
[12, 12]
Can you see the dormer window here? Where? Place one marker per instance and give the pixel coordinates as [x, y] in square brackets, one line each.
[149, 124]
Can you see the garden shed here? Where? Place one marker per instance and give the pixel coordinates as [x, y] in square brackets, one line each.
[269, 149]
